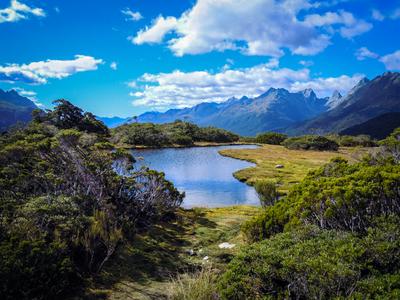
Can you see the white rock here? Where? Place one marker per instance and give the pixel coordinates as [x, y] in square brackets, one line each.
[226, 246]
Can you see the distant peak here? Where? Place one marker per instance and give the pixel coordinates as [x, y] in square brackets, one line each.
[336, 95]
[309, 93]
[274, 91]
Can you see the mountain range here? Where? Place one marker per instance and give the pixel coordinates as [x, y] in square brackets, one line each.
[367, 100]
[14, 108]
[362, 110]
[293, 113]
[271, 111]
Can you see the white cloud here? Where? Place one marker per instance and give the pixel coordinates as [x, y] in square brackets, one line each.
[363, 53]
[183, 89]
[155, 34]
[40, 72]
[392, 61]
[262, 27]
[19, 11]
[114, 66]
[31, 95]
[377, 15]
[132, 15]
[351, 26]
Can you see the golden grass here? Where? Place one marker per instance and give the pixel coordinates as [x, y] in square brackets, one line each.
[297, 163]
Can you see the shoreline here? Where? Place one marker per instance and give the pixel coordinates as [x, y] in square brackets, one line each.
[195, 145]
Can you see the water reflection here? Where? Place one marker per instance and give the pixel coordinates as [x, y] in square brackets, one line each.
[203, 174]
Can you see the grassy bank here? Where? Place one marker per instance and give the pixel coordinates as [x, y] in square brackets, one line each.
[296, 163]
[196, 144]
[142, 268]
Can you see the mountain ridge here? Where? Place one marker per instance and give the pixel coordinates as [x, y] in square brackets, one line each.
[14, 108]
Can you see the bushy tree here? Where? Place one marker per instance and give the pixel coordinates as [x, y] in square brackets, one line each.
[271, 138]
[310, 142]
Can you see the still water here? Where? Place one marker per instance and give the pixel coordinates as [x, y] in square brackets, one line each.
[203, 174]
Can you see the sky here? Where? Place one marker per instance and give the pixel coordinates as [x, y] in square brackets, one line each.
[126, 57]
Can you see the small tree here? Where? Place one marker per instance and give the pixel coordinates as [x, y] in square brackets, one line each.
[267, 192]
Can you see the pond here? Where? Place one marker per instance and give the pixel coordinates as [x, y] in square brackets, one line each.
[203, 174]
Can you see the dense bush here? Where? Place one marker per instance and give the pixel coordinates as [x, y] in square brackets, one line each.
[177, 133]
[267, 192]
[353, 141]
[310, 263]
[271, 138]
[68, 199]
[310, 142]
[337, 196]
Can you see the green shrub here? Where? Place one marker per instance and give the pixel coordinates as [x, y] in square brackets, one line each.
[267, 192]
[310, 263]
[337, 196]
[182, 140]
[161, 135]
[271, 138]
[35, 269]
[353, 141]
[310, 142]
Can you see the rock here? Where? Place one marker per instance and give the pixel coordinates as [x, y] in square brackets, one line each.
[191, 252]
[226, 246]
[279, 166]
[205, 258]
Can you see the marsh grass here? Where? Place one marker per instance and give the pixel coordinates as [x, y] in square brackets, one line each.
[201, 285]
[296, 163]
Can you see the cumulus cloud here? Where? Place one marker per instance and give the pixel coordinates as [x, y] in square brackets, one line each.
[183, 89]
[19, 11]
[156, 32]
[350, 28]
[364, 52]
[132, 15]
[392, 61]
[253, 27]
[40, 72]
[262, 27]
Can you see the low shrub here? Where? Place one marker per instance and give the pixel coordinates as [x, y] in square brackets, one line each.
[271, 138]
[267, 192]
[353, 141]
[310, 142]
[310, 263]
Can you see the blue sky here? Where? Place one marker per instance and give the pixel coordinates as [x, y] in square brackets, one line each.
[125, 57]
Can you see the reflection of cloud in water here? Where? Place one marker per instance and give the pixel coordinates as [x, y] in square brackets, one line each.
[204, 175]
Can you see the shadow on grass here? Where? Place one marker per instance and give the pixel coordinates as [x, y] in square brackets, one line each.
[154, 254]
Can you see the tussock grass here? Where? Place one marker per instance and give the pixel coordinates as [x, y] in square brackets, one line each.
[196, 286]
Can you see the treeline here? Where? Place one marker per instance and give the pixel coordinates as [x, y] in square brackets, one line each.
[336, 235]
[312, 142]
[68, 200]
[163, 135]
